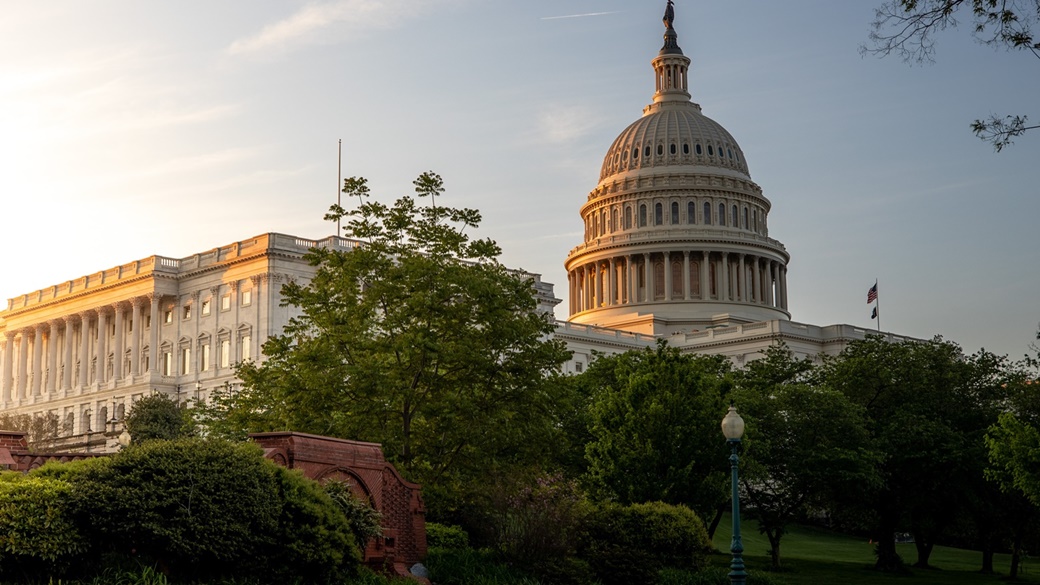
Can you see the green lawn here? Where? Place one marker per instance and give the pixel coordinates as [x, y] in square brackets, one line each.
[819, 557]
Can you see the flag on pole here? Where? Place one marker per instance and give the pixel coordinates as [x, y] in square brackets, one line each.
[872, 294]
[873, 314]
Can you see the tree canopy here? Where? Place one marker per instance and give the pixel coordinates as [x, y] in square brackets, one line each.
[907, 28]
[419, 339]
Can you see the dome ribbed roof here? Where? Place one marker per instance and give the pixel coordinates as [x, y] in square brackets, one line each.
[673, 136]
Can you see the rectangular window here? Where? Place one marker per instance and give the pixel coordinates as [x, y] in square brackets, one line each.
[185, 360]
[578, 367]
[206, 306]
[168, 316]
[225, 302]
[187, 311]
[204, 358]
[225, 353]
[246, 350]
[167, 363]
[147, 321]
[247, 298]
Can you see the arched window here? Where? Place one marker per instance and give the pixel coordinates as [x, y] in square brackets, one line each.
[635, 153]
[613, 220]
[602, 221]
[646, 151]
[707, 213]
[675, 212]
[642, 215]
[658, 214]
[660, 149]
[754, 217]
[691, 212]
[695, 279]
[722, 214]
[697, 148]
[686, 148]
[745, 218]
[677, 281]
[671, 148]
[628, 217]
[735, 216]
[711, 151]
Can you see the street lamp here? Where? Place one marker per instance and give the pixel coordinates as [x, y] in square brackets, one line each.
[733, 429]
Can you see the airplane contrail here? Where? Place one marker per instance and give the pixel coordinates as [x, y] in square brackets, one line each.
[578, 15]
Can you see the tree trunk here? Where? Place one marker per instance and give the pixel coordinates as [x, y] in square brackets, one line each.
[1016, 556]
[774, 543]
[987, 559]
[715, 522]
[887, 558]
[924, 550]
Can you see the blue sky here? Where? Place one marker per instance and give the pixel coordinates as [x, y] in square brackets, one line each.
[129, 129]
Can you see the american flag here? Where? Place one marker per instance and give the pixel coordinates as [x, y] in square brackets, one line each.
[872, 294]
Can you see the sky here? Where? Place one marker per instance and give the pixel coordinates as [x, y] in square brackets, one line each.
[131, 128]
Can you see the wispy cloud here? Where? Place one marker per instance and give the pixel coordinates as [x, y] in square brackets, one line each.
[579, 15]
[332, 21]
[566, 124]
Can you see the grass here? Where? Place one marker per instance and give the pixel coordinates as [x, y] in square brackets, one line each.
[815, 555]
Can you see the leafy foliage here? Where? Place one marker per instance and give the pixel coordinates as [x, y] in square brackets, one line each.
[907, 28]
[36, 530]
[159, 417]
[654, 427]
[446, 536]
[631, 544]
[363, 518]
[805, 446]
[420, 340]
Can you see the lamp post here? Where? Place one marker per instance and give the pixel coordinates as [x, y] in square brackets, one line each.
[733, 429]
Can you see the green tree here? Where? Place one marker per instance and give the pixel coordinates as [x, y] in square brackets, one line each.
[419, 339]
[805, 446]
[928, 407]
[654, 427]
[907, 28]
[159, 417]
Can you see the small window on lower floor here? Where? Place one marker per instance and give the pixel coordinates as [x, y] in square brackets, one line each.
[578, 367]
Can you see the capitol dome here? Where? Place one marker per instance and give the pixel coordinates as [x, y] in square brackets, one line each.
[676, 232]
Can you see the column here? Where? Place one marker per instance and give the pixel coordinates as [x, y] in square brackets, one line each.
[66, 373]
[667, 276]
[23, 362]
[8, 381]
[598, 275]
[118, 343]
[633, 280]
[647, 274]
[137, 328]
[52, 357]
[101, 353]
[84, 349]
[742, 281]
[705, 265]
[772, 283]
[686, 274]
[153, 333]
[37, 379]
[612, 298]
[783, 287]
[756, 273]
[724, 281]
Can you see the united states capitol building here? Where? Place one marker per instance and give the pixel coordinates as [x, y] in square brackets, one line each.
[676, 246]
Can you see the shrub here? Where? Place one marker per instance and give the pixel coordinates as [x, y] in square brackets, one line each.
[37, 531]
[159, 417]
[711, 576]
[631, 544]
[446, 536]
[363, 518]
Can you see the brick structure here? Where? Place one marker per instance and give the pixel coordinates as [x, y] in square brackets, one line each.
[15, 454]
[371, 477]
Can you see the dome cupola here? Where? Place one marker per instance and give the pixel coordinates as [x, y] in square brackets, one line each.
[676, 236]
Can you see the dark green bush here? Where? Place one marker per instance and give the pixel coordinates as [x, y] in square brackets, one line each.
[446, 536]
[37, 531]
[206, 509]
[631, 544]
[365, 520]
[711, 576]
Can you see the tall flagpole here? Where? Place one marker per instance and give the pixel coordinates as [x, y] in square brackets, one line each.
[339, 188]
[877, 305]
